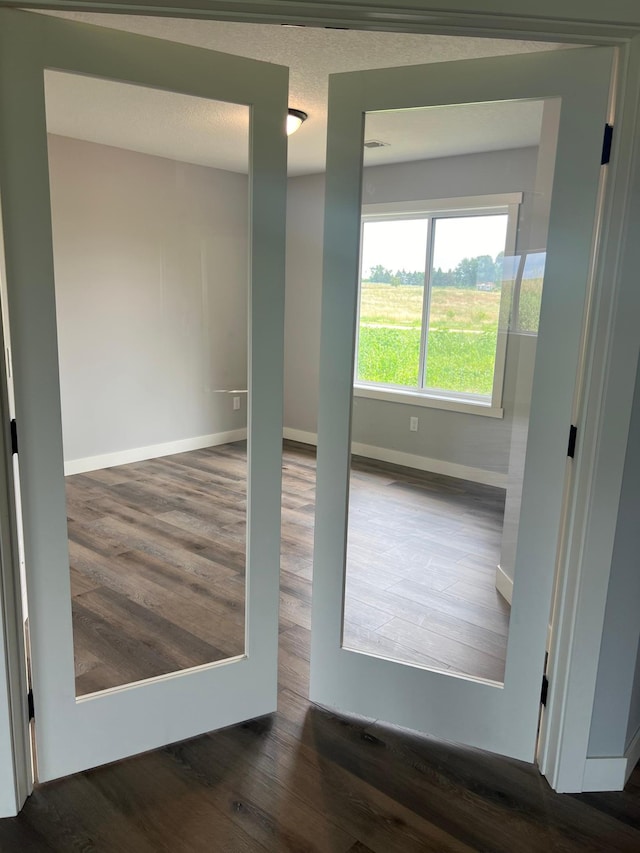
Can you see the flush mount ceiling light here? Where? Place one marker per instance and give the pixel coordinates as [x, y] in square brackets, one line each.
[294, 120]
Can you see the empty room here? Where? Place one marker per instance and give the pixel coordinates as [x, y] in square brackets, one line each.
[151, 244]
[288, 484]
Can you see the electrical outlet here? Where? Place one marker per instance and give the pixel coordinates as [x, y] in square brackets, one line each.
[413, 424]
[236, 404]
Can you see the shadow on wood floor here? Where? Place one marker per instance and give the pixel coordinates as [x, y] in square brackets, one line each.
[306, 779]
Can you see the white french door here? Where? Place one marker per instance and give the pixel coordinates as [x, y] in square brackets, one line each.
[379, 672]
[73, 731]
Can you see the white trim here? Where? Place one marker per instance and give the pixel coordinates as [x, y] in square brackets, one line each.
[558, 21]
[473, 204]
[152, 451]
[611, 774]
[561, 23]
[604, 774]
[16, 770]
[410, 460]
[632, 755]
[504, 584]
[603, 420]
[300, 435]
[16, 767]
[427, 400]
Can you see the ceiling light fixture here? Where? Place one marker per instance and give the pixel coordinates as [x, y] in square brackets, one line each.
[294, 120]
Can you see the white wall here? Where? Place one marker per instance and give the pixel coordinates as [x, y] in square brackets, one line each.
[305, 226]
[462, 439]
[151, 291]
[616, 710]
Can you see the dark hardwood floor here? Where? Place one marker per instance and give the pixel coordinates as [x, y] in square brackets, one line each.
[157, 550]
[306, 779]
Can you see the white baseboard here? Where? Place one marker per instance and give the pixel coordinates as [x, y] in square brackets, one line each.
[611, 774]
[504, 584]
[382, 454]
[411, 460]
[153, 451]
[632, 755]
[300, 435]
[604, 774]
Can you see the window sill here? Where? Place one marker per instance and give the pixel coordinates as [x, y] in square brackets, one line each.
[414, 398]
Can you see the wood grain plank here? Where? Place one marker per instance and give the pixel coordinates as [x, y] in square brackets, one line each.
[156, 533]
[306, 778]
[284, 753]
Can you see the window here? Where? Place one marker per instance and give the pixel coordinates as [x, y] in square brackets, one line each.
[431, 299]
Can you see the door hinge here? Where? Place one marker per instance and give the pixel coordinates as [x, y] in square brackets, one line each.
[30, 706]
[544, 690]
[606, 144]
[573, 436]
[14, 437]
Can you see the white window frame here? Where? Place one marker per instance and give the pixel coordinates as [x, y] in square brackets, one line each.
[433, 209]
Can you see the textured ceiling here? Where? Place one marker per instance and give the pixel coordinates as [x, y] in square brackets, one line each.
[183, 128]
[168, 124]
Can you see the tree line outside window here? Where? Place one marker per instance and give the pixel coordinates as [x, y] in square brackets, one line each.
[468, 273]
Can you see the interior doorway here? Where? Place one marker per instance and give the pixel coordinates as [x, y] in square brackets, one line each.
[91, 147]
[298, 420]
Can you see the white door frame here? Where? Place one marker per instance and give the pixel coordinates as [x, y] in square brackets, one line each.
[16, 769]
[16, 778]
[603, 412]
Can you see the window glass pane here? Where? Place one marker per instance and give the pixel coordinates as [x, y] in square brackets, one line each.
[391, 301]
[464, 303]
[530, 293]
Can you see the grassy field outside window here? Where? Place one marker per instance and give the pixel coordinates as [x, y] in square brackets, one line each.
[438, 292]
[463, 327]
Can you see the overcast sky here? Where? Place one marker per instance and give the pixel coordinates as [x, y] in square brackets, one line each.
[402, 244]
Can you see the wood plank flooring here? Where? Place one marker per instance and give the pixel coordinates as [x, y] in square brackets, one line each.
[305, 780]
[421, 562]
[157, 565]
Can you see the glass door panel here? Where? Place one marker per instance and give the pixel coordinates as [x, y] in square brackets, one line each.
[143, 189]
[150, 239]
[442, 464]
[425, 582]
